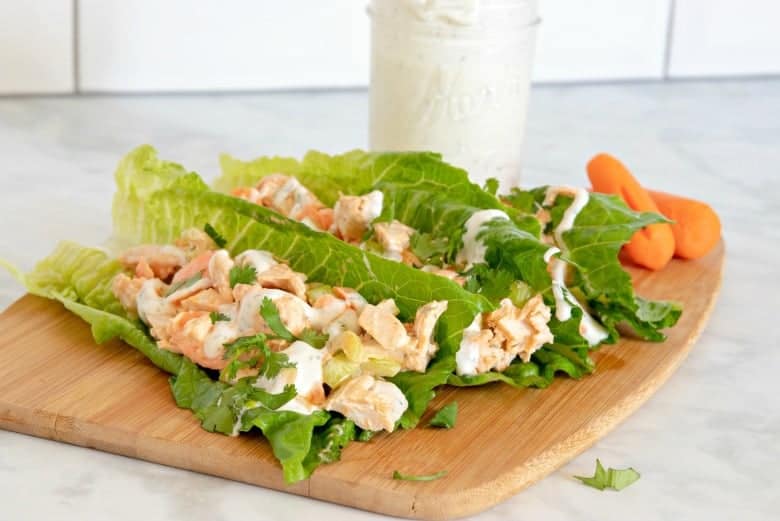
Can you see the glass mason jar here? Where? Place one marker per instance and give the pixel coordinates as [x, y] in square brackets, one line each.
[453, 76]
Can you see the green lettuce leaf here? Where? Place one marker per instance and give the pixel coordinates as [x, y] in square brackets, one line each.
[80, 278]
[445, 417]
[231, 409]
[328, 442]
[592, 246]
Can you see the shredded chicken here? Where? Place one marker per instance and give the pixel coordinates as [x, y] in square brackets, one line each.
[126, 290]
[195, 241]
[525, 329]
[371, 403]
[380, 322]
[353, 214]
[503, 335]
[422, 348]
[395, 239]
[163, 261]
[281, 276]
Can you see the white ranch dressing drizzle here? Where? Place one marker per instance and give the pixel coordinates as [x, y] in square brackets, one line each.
[291, 186]
[374, 202]
[149, 302]
[260, 260]
[467, 357]
[221, 333]
[305, 376]
[473, 250]
[591, 331]
[549, 253]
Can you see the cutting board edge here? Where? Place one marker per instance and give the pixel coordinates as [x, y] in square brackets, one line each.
[73, 431]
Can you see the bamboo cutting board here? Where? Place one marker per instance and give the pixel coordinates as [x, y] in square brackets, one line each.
[56, 383]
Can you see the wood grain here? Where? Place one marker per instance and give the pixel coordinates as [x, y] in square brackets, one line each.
[56, 383]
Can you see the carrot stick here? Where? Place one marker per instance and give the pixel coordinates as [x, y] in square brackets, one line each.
[652, 246]
[696, 226]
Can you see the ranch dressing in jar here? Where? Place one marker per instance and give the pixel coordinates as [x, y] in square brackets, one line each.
[453, 76]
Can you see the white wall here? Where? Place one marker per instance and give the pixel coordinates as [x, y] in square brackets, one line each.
[60, 46]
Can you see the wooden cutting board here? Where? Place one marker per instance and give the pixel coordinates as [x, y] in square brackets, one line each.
[56, 383]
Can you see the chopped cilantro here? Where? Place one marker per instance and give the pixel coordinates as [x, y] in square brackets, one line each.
[218, 317]
[410, 477]
[242, 275]
[215, 236]
[249, 351]
[616, 479]
[314, 339]
[445, 417]
[270, 314]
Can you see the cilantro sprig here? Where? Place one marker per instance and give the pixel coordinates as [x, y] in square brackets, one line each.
[242, 275]
[218, 239]
[616, 479]
[253, 352]
[250, 352]
[270, 314]
[216, 316]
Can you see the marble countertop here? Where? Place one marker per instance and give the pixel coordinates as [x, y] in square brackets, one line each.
[707, 444]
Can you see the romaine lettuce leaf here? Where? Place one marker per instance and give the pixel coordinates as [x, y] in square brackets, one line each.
[328, 442]
[80, 278]
[231, 409]
[592, 246]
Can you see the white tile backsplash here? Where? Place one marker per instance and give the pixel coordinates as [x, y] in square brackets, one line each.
[175, 45]
[601, 40]
[36, 46]
[725, 37]
[204, 45]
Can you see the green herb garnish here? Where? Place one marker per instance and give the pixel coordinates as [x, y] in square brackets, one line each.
[410, 477]
[616, 479]
[445, 417]
[242, 275]
[249, 351]
[270, 314]
[215, 236]
[215, 317]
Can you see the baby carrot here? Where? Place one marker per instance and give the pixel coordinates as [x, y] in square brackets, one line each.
[696, 226]
[652, 246]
